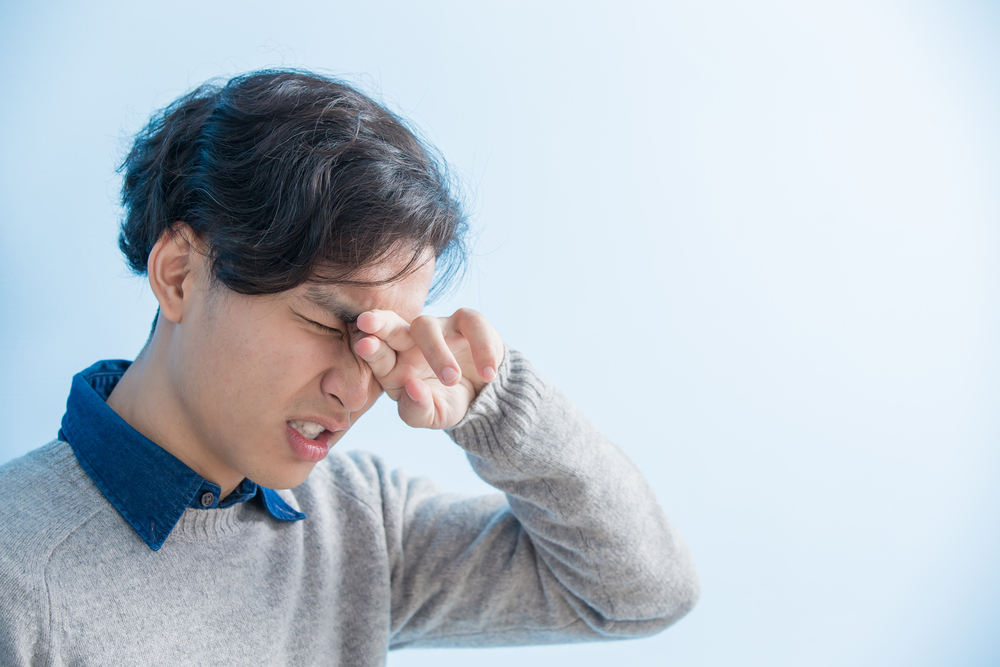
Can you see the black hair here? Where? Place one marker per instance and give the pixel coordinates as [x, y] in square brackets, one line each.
[288, 177]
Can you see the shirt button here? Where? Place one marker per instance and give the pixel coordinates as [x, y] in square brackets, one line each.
[206, 499]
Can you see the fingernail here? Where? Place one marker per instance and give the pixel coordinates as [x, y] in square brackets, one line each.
[488, 374]
[449, 375]
[410, 394]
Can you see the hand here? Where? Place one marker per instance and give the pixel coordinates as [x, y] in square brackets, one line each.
[433, 367]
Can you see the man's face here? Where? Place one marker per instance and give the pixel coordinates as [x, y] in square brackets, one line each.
[255, 378]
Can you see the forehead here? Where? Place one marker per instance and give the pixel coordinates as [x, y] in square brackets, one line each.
[405, 296]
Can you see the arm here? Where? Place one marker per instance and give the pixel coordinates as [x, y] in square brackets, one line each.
[27, 538]
[578, 550]
[22, 614]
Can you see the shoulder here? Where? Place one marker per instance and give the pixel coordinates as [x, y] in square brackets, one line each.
[45, 496]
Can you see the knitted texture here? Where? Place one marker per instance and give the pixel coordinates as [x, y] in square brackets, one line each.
[577, 550]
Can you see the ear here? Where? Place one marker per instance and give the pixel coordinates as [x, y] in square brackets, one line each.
[173, 269]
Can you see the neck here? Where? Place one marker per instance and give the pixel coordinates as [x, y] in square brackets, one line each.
[147, 400]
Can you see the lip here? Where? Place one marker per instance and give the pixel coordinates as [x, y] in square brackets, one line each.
[312, 451]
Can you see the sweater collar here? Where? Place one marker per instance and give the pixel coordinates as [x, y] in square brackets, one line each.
[149, 486]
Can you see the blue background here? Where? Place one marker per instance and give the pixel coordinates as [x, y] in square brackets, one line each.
[756, 242]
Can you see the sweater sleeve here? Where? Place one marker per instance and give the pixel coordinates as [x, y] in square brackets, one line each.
[578, 548]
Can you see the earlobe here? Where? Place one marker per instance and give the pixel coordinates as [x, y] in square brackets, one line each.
[170, 268]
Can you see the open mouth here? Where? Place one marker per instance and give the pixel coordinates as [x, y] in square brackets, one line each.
[308, 430]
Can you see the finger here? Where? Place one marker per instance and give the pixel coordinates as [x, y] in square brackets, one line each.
[487, 351]
[416, 404]
[377, 354]
[388, 326]
[428, 335]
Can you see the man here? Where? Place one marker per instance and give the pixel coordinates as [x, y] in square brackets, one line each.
[193, 509]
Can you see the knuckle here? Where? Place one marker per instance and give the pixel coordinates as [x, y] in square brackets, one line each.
[421, 323]
[466, 315]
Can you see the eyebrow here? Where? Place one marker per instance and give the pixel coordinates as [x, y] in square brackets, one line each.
[332, 305]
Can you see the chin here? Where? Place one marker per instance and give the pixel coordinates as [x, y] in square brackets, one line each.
[286, 479]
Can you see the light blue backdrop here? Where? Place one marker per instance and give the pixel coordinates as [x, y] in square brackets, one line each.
[757, 242]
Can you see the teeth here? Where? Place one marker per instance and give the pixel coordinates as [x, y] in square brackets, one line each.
[309, 430]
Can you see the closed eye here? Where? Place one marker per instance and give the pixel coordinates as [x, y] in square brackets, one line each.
[325, 330]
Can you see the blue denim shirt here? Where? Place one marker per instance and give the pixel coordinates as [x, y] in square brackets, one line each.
[148, 485]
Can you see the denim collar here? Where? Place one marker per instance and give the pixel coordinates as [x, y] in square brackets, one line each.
[148, 485]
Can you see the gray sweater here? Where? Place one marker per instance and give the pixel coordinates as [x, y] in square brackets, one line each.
[577, 550]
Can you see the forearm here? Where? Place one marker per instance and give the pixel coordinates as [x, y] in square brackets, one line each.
[589, 513]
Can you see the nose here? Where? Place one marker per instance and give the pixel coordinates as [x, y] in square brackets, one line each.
[348, 382]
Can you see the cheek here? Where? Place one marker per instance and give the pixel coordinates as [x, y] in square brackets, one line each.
[241, 370]
[245, 373]
[278, 363]
[235, 373]
[289, 366]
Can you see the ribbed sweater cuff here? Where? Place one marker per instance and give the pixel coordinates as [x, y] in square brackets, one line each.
[499, 420]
